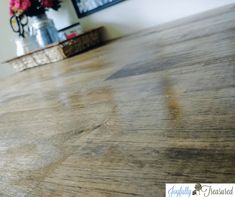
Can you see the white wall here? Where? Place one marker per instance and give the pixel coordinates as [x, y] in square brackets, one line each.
[124, 18]
[7, 49]
[133, 15]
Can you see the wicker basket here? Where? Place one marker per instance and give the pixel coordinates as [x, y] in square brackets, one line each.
[59, 51]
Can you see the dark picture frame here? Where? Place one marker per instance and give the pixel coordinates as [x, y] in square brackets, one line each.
[87, 7]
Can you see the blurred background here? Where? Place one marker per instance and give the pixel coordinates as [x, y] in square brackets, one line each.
[119, 20]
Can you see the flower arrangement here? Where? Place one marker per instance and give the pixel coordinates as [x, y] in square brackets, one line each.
[32, 7]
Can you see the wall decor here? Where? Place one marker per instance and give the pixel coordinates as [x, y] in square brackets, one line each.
[87, 7]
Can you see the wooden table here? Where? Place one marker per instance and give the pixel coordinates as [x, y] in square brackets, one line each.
[124, 119]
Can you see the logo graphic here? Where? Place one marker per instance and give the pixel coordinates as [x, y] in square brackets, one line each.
[197, 187]
[200, 190]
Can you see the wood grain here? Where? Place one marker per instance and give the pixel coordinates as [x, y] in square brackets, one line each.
[122, 120]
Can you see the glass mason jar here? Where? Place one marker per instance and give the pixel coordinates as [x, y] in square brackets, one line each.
[44, 30]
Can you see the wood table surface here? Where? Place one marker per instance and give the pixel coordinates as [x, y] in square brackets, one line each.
[122, 120]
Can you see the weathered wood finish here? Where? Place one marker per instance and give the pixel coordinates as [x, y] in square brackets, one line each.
[124, 119]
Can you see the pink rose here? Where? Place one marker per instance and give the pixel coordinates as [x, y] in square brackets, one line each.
[25, 4]
[19, 6]
[47, 3]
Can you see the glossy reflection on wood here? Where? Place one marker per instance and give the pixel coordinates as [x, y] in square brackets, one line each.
[126, 118]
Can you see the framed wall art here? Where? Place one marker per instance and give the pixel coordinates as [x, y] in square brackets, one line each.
[87, 7]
